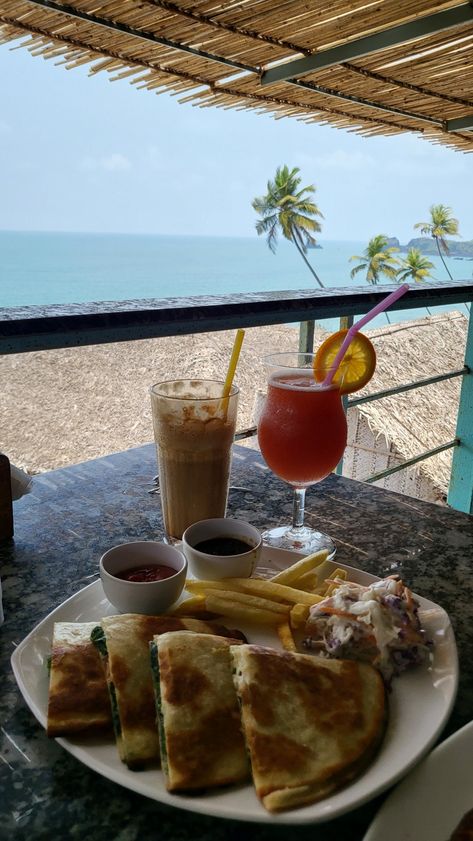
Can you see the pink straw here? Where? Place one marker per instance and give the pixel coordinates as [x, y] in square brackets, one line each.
[383, 305]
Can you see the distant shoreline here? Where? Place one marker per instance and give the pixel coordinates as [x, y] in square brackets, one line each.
[427, 246]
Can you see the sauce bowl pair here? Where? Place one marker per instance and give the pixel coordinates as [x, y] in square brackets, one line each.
[154, 597]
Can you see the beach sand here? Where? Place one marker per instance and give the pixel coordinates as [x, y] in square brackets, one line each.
[62, 407]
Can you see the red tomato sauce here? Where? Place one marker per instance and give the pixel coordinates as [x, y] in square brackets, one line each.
[153, 572]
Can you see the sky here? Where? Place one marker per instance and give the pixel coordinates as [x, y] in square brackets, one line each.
[84, 154]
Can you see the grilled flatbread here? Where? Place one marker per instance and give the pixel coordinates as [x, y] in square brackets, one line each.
[310, 724]
[124, 644]
[198, 714]
[78, 695]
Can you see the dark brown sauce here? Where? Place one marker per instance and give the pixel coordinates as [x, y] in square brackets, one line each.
[223, 546]
[152, 572]
[464, 830]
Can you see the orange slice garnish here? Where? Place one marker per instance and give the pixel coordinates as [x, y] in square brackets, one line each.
[357, 366]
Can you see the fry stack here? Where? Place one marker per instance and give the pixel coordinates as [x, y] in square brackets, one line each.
[282, 602]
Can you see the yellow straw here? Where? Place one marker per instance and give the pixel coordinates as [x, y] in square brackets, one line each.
[233, 363]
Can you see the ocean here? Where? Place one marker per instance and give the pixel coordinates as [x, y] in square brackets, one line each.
[60, 268]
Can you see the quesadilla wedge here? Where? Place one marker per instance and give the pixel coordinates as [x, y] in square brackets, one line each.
[78, 696]
[310, 724]
[123, 642]
[198, 714]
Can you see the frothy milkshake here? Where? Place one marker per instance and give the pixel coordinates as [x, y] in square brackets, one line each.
[194, 430]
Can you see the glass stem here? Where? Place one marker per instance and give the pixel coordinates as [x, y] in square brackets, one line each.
[298, 508]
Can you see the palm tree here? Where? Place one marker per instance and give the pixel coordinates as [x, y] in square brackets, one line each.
[441, 224]
[287, 209]
[376, 260]
[415, 266]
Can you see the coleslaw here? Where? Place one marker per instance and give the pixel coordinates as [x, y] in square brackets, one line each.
[379, 624]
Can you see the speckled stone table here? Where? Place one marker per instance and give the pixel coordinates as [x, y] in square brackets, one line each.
[62, 528]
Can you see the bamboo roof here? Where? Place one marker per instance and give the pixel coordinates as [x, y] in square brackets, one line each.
[376, 67]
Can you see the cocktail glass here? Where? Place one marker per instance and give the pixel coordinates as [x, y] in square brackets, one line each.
[302, 433]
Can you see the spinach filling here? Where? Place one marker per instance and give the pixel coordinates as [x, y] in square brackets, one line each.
[117, 726]
[100, 641]
[159, 707]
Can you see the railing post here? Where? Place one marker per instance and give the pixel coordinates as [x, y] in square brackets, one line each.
[460, 492]
[306, 336]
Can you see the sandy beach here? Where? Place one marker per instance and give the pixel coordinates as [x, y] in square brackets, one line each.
[61, 407]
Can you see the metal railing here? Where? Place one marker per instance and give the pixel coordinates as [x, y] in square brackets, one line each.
[43, 328]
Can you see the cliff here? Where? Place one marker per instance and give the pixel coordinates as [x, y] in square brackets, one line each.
[428, 246]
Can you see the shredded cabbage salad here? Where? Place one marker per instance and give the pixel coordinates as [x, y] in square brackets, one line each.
[379, 624]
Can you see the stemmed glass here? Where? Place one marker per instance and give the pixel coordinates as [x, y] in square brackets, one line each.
[302, 433]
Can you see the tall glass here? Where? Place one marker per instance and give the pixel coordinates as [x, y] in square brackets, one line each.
[194, 430]
[302, 433]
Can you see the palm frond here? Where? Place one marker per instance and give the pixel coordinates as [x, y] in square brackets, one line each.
[269, 226]
[390, 271]
[361, 267]
[424, 227]
[372, 275]
[299, 220]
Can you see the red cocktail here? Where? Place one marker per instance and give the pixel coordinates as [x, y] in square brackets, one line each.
[302, 433]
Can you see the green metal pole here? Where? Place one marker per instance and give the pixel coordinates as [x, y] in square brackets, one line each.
[306, 336]
[460, 493]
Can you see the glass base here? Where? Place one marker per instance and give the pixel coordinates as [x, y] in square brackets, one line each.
[303, 540]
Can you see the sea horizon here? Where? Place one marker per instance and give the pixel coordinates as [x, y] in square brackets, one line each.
[61, 267]
[155, 234]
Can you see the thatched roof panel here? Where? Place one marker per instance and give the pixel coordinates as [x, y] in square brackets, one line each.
[222, 51]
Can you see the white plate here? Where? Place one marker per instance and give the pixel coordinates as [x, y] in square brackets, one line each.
[419, 703]
[430, 803]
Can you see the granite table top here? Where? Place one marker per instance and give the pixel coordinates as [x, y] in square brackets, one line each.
[74, 514]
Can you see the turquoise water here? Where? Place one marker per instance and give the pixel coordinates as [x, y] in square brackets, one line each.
[55, 268]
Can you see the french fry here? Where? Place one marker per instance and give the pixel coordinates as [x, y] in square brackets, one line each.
[268, 589]
[254, 586]
[307, 582]
[293, 573]
[298, 615]
[241, 612]
[200, 587]
[332, 585]
[252, 601]
[285, 636]
[325, 571]
[195, 604]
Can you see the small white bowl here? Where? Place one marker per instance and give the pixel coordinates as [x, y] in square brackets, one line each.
[149, 597]
[209, 566]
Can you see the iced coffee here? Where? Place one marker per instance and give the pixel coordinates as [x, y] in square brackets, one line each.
[194, 429]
